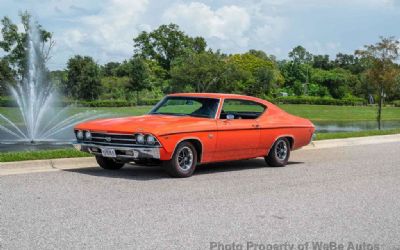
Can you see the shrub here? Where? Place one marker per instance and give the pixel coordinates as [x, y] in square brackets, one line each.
[396, 103]
[353, 101]
[9, 102]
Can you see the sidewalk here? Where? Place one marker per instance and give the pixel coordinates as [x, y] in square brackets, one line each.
[9, 168]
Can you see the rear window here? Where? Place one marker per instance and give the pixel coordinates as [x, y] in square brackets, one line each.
[241, 109]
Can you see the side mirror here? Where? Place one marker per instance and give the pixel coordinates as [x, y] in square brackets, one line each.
[230, 117]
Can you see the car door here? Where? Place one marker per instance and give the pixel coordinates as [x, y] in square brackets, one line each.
[238, 133]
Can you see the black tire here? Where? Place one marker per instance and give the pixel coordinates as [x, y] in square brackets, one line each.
[108, 163]
[278, 155]
[179, 166]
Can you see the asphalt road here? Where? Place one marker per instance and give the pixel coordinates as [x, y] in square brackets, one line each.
[340, 195]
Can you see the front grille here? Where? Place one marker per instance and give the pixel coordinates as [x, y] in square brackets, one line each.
[112, 139]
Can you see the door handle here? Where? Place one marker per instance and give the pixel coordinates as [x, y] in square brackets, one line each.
[255, 125]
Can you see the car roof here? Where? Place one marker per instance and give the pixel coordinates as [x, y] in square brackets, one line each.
[271, 107]
[217, 95]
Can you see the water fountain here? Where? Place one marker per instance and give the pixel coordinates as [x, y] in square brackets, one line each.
[42, 121]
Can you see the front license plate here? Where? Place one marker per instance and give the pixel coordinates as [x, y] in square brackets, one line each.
[108, 152]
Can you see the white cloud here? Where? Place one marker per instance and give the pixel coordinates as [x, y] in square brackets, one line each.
[227, 24]
[109, 33]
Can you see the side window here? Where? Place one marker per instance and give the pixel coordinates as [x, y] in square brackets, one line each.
[241, 109]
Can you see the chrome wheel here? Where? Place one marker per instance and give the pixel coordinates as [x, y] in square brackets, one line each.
[185, 158]
[281, 150]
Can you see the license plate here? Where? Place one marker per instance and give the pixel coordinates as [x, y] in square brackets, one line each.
[108, 152]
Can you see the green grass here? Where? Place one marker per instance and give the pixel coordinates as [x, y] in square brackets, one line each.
[40, 155]
[340, 113]
[312, 112]
[341, 135]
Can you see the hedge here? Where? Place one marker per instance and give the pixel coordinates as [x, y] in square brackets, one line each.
[8, 102]
[354, 101]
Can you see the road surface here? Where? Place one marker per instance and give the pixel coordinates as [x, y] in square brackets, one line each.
[344, 195]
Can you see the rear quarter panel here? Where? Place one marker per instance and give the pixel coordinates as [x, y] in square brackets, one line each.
[276, 123]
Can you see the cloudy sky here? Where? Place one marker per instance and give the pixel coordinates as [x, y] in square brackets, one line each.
[104, 29]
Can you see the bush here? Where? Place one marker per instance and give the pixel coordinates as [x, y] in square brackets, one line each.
[352, 101]
[9, 102]
[396, 103]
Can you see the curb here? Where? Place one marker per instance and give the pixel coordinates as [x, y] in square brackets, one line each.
[354, 141]
[22, 167]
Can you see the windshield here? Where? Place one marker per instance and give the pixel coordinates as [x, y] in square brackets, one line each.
[187, 106]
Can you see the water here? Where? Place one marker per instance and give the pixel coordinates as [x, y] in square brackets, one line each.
[350, 126]
[36, 98]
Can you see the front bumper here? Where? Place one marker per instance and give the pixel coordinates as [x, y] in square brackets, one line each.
[122, 153]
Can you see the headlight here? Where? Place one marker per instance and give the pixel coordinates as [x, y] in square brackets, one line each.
[150, 140]
[139, 139]
[88, 135]
[79, 135]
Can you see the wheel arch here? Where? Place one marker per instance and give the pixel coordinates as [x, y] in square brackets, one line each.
[196, 142]
[290, 138]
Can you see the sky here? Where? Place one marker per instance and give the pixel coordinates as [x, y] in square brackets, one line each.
[104, 29]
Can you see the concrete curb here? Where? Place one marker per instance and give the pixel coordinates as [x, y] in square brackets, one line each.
[21, 167]
[334, 143]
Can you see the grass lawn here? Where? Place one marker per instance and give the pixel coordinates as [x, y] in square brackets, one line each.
[42, 154]
[340, 113]
[312, 112]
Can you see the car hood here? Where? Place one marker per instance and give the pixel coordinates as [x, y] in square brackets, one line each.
[154, 124]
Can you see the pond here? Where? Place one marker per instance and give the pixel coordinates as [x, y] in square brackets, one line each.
[351, 126]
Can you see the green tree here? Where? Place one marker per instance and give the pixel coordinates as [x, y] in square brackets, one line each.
[14, 42]
[166, 43]
[6, 76]
[382, 70]
[350, 62]
[202, 71]
[321, 62]
[300, 55]
[264, 73]
[109, 69]
[338, 81]
[138, 76]
[83, 78]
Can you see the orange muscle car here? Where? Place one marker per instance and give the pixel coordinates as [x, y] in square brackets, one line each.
[184, 130]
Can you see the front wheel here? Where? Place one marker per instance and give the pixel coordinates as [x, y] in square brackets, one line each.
[183, 162]
[108, 163]
[278, 155]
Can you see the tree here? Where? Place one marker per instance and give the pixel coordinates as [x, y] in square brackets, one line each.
[14, 42]
[6, 76]
[138, 76]
[109, 69]
[337, 81]
[321, 62]
[166, 43]
[349, 62]
[83, 78]
[200, 70]
[300, 55]
[382, 70]
[263, 71]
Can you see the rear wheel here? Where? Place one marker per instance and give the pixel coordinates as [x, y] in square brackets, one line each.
[108, 163]
[278, 155]
[183, 162]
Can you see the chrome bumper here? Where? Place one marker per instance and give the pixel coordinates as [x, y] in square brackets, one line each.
[126, 153]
